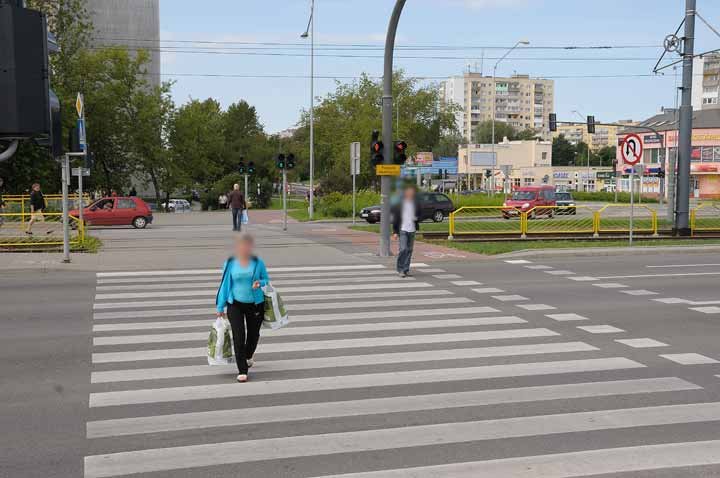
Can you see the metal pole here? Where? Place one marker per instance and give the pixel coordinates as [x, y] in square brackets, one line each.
[632, 203]
[354, 190]
[387, 117]
[66, 208]
[311, 208]
[246, 188]
[682, 220]
[284, 198]
[491, 186]
[80, 194]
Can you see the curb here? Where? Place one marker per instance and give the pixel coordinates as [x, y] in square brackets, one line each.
[609, 251]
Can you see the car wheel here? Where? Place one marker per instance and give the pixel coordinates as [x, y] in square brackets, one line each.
[438, 216]
[139, 222]
[371, 221]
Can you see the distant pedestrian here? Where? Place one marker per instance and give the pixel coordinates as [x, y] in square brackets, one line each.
[238, 205]
[37, 208]
[113, 193]
[240, 293]
[222, 201]
[133, 192]
[405, 226]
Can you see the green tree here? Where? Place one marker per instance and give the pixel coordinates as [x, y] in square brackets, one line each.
[448, 145]
[605, 156]
[563, 151]
[527, 134]
[483, 132]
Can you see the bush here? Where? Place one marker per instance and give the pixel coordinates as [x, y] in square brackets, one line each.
[262, 200]
[608, 197]
[340, 205]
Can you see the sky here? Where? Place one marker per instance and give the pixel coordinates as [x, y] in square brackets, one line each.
[457, 34]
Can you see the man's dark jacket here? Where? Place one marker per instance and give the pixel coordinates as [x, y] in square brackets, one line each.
[397, 216]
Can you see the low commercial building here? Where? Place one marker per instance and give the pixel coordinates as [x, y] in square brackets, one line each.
[525, 163]
[659, 149]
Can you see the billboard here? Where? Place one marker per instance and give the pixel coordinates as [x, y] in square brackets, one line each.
[423, 159]
[482, 158]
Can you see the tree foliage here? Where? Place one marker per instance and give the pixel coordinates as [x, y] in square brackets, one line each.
[483, 133]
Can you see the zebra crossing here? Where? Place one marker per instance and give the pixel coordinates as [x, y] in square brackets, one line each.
[377, 377]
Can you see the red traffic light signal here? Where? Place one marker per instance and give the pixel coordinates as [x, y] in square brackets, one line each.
[400, 150]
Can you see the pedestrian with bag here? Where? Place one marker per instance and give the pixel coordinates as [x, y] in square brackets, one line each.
[238, 205]
[37, 208]
[241, 295]
[405, 225]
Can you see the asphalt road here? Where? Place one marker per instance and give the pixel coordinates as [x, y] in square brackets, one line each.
[504, 367]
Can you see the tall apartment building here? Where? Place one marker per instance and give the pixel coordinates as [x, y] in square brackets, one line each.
[130, 23]
[604, 135]
[520, 101]
[706, 82]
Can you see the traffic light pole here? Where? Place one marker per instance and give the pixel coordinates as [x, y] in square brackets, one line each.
[387, 122]
[284, 198]
[66, 208]
[246, 188]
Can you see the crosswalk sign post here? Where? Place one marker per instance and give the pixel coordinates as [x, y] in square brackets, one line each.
[354, 171]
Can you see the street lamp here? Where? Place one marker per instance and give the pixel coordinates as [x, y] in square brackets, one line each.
[310, 32]
[494, 106]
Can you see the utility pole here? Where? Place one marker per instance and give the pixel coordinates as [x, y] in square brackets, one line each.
[682, 220]
[66, 208]
[387, 123]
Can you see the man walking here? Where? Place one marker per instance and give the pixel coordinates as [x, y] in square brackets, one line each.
[37, 206]
[238, 205]
[405, 225]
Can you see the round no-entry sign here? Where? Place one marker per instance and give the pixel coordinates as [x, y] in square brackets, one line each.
[631, 149]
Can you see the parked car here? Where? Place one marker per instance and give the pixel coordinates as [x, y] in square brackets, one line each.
[536, 200]
[565, 203]
[117, 211]
[433, 206]
[177, 205]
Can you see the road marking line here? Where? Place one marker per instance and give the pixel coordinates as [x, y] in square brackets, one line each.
[536, 307]
[378, 303]
[447, 276]
[218, 271]
[566, 317]
[672, 300]
[560, 273]
[583, 279]
[246, 451]
[317, 384]
[519, 261]
[397, 284]
[262, 366]
[639, 292]
[706, 310]
[378, 406]
[286, 299]
[333, 280]
[642, 276]
[689, 359]
[538, 268]
[610, 285]
[509, 298]
[465, 283]
[216, 276]
[315, 330]
[641, 343]
[433, 271]
[394, 314]
[488, 290]
[682, 265]
[600, 329]
[564, 465]
[337, 344]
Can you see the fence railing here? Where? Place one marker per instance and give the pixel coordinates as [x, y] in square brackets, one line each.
[16, 230]
[705, 218]
[20, 203]
[553, 221]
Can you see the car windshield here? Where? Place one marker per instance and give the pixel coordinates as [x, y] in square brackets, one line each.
[524, 195]
[563, 196]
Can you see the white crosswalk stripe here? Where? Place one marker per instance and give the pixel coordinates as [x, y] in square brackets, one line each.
[365, 349]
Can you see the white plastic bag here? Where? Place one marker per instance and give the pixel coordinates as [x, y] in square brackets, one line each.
[276, 317]
[220, 346]
[244, 218]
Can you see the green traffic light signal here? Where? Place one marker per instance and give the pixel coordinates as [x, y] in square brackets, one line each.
[290, 161]
[280, 161]
[251, 168]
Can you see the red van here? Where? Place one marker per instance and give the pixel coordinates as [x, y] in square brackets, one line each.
[531, 199]
[117, 211]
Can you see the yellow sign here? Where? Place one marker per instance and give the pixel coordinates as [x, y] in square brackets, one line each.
[79, 105]
[387, 170]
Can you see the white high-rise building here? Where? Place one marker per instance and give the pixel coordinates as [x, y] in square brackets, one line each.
[520, 101]
[130, 23]
[706, 82]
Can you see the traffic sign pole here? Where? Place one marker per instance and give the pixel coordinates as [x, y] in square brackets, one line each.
[354, 171]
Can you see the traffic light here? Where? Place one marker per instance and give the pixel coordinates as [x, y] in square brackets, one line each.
[553, 122]
[241, 167]
[661, 173]
[89, 160]
[26, 101]
[488, 173]
[290, 161]
[377, 149]
[400, 152]
[251, 168]
[280, 161]
[591, 124]
[74, 141]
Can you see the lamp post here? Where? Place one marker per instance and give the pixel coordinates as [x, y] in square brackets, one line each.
[494, 107]
[310, 32]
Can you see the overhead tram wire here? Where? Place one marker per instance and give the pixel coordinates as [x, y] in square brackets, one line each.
[415, 77]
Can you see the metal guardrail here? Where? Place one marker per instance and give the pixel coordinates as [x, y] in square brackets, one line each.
[705, 218]
[47, 230]
[20, 203]
[553, 221]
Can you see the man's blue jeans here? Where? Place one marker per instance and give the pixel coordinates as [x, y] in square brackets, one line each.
[407, 242]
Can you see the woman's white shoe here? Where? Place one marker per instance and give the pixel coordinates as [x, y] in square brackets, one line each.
[242, 378]
[250, 362]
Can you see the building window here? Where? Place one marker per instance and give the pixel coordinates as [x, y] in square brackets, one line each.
[654, 156]
[544, 155]
[528, 181]
[516, 182]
